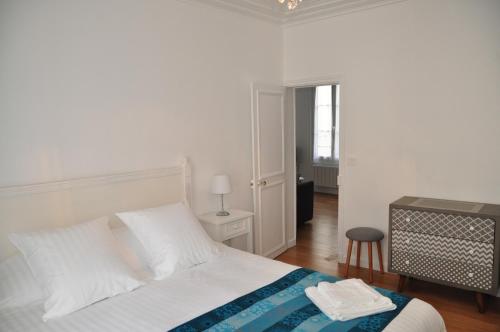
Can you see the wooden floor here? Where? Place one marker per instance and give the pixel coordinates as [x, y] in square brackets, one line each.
[317, 249]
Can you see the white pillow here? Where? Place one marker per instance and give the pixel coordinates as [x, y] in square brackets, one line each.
[76, 266]
[172, 237]
[18, 287]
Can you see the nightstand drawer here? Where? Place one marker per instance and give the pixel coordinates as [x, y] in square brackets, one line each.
[235, 228]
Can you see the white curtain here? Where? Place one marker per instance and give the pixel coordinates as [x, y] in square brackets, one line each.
[325, 148]
[336, 137]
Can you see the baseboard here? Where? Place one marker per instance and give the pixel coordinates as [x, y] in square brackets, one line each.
[326, 190]
[363, 262]
[375, 269]
[276, 253]
[291, 243]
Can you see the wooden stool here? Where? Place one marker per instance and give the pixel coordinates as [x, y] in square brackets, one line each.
[369, 235]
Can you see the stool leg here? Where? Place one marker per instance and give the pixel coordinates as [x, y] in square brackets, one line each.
[358, 254]
[380, 261]
[370, 261]
[348, 261]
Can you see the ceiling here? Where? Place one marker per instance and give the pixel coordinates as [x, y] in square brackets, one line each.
[308, 10]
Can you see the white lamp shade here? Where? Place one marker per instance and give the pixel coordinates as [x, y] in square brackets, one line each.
[221, 184]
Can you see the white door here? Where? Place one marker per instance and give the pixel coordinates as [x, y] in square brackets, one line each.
[268, 133]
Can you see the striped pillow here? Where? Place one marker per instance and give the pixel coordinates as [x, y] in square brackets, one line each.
[172, 237]
[76, 266]
[18, 287]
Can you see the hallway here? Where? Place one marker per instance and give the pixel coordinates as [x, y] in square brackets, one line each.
[317, 246]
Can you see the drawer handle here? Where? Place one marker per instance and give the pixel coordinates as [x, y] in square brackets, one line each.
[407, 241]
[471, 228]
[407, 262]
[470, 274]
[408, 219]
[471, 251]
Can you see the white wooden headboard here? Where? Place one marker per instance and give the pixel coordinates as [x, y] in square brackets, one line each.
[61, 203]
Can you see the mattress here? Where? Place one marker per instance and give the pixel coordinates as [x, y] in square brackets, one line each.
[163, 305]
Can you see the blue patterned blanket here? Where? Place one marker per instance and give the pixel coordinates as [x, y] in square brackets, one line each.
[283, 306]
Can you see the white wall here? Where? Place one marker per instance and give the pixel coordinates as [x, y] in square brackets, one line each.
[420, 99]
[100, 86]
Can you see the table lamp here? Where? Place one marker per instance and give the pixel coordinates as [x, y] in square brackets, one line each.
[220, 186]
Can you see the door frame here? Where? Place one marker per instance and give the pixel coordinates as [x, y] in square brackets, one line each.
[312, 82]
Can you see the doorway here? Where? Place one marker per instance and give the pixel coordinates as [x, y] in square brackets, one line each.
[317, 154]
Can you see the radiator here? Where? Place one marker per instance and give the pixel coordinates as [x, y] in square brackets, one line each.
[325, 176]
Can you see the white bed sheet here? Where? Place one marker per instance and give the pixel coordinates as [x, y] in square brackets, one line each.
[162, 305]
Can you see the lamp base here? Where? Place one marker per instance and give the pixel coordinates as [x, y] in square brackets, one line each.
[222, 214]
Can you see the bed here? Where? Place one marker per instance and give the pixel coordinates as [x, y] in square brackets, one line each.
[177, 302]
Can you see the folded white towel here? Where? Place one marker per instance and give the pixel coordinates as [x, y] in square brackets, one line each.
[346, 293]
[363, 301]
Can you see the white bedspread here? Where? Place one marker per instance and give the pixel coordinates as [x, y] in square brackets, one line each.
[162, 305]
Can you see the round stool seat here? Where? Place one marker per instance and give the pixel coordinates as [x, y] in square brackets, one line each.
[364, 234]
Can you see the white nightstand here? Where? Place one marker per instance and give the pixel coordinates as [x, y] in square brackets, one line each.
[221, 229]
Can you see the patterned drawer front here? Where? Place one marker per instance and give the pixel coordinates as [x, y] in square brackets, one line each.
[478, 253]
[448, 225]
[436, 268]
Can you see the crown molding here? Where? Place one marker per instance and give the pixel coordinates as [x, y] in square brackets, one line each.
[314, 10]
[308, 11]
[262, 9]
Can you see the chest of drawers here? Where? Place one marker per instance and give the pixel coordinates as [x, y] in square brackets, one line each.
[447, 242]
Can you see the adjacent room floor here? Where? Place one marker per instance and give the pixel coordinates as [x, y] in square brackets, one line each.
[317, 249]
[317, 238]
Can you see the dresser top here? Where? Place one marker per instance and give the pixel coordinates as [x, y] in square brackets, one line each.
[447, 205]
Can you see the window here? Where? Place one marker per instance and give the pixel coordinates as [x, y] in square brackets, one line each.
[326, 129]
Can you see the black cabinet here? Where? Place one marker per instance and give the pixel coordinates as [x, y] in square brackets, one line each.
[305, 201]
